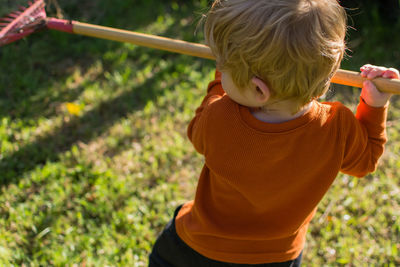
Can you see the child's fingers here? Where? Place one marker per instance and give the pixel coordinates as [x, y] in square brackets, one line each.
[391, 73]
[376, 72]
[366, 66]
[370, 72]
[364, 73]
[365, 70]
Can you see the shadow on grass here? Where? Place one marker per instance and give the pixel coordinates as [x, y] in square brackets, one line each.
[84, 128]
[37, 64]
[32, 68]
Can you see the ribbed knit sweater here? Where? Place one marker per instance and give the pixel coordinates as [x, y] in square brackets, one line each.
[261, 182]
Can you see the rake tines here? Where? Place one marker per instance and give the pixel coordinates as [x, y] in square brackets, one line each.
[15, 14]
[21, 23]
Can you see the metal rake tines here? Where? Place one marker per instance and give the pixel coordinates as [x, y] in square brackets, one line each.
[21, 23]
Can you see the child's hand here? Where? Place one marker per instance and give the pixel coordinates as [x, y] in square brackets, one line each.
[369, 93]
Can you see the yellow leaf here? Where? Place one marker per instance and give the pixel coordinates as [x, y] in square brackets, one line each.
[74, 109]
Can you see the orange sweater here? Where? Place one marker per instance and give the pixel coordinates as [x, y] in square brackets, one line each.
[261, 182]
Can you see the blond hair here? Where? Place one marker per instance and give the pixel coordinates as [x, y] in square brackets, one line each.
[295, 46]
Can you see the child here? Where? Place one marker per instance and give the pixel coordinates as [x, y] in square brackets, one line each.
[271, 150]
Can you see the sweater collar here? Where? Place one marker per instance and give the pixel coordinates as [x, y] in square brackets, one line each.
[252, 122]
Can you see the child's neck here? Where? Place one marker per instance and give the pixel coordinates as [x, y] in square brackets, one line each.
[279, 112]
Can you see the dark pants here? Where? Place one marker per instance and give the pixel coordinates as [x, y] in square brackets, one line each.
[170, 251]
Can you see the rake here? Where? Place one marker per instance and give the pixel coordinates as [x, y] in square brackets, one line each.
[33, 18]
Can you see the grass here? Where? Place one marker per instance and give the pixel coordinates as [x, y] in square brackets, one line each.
[94, 187]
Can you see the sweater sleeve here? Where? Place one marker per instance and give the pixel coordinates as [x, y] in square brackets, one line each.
[197, 127]
[365, 137]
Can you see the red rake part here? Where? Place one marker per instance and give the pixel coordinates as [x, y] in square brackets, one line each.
[22, 23]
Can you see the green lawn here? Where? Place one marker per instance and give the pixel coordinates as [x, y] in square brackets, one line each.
[95, 185]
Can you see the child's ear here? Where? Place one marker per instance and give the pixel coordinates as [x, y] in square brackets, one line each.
[262, 92]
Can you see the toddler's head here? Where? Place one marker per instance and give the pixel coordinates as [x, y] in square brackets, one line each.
[294, 46]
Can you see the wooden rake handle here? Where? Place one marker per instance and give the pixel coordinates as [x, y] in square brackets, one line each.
[344, 77]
